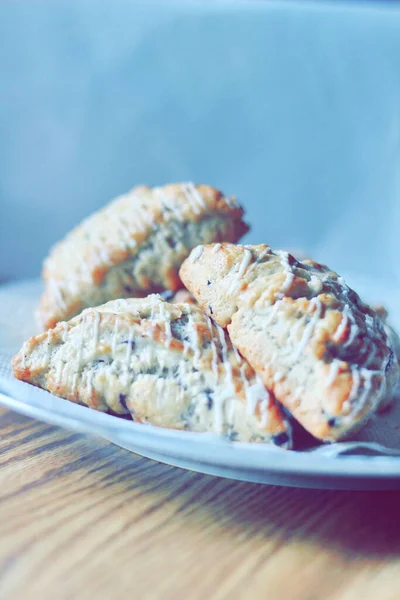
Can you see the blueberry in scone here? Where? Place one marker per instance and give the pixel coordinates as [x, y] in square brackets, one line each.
[323, 353]
[165, 364]
[134, 246]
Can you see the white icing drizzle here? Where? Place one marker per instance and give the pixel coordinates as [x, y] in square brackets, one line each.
[89, 382]
[196, 253]
[272, 313]
[53, 285]
[367, 375]
[81, 343]
[74, 381]
[315, 284]
[168, 203]
[160, 385]
[125, 240]
[115, 338]
[59, 372]
[85, 274]
[369, 321]
[193, 336]
[347, 319]
[210, 326]
[278, 377]
[153, 315]
[245, 262]
[255, 392]
[353, 328]
[231, 411]
[139, 221]
[237, 355]
[242, 369]
[382, 388]
[79, 353]
[264, 411]
[104, 256]
[333, 372]
[274, 356]
[355, 384]
[218, 413]
[293, 330]
[143, 219]
[64, 327]
[258, 260]
[73, 285]
[289, 275]
[225, 357]
[166, 320]
[224, 401]
[196, 195]
[214, 363]
[193, 198]
[153, 309]
[355, 408]
[96, 321]
[308, 330]
[216, 248]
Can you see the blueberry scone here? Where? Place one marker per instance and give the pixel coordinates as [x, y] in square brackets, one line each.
[165, 364]
[133, 246]
[323, 353]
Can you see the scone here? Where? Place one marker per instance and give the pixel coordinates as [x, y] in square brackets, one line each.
[133, 246]
[322, 351]
[166, 364]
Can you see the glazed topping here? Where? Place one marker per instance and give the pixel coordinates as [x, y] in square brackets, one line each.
[330, 321]
[181, 323]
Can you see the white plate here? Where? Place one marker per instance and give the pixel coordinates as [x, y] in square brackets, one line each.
[354, 465]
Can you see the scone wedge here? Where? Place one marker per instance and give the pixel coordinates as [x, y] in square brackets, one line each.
[165, 364]
[323, 353]
[134, 246]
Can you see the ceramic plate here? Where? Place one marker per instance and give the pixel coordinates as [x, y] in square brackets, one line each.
[370, 462]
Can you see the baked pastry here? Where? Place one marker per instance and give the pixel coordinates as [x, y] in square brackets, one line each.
[165, 364]
[322, 351]
[133, 246]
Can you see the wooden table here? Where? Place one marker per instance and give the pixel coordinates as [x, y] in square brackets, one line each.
[82, 519]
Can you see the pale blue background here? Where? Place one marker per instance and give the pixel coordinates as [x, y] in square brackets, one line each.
[292, 107]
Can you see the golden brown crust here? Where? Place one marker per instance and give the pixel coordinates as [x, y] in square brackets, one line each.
[134, 246]
[316, 345]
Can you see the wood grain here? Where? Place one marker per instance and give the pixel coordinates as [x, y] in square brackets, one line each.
[81, 518]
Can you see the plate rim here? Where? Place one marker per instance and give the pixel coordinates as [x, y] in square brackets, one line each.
[204, 447]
